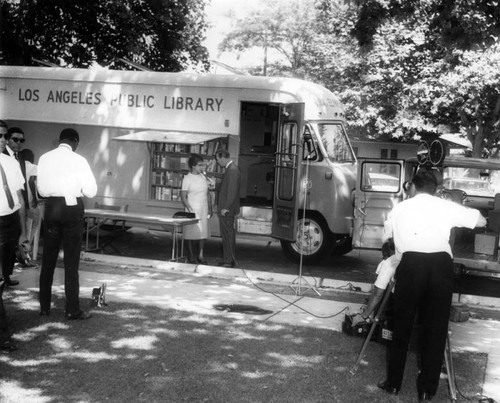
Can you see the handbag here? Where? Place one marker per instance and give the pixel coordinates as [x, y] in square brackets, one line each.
[184, 214]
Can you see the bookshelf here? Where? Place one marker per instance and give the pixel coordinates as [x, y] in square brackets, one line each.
[169, 165]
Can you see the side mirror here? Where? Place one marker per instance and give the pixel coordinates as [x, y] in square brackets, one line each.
[310, 151]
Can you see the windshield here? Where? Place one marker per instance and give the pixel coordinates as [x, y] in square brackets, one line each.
[474, 182]
[335, 142]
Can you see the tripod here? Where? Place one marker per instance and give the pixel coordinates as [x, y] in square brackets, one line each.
[300, 280]
[448, 359]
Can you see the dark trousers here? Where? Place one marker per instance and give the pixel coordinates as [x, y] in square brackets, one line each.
[228, 235]
[4, 328]
[424, 282]
[10, 229]
[62, 225]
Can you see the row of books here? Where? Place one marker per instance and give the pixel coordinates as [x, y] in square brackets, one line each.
[181, 163]
[207, 148]
[177, 148]
[170, 162]
[166, 193]
[167, 178]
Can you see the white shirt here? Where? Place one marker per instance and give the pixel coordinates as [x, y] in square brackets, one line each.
[10, 151]
[64, 173]
[423, 223]
[15, 180]
[31, 170]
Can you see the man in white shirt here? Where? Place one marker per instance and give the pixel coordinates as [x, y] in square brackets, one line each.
[64, 177]
[12, 227]
[424, 279]
[15, 140]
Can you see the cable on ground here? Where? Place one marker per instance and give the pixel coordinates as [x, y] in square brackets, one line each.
[290, 303]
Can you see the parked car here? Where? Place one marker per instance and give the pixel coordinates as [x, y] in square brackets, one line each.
[473, 182]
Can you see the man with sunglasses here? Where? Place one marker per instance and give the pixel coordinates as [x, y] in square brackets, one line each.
[15, 140]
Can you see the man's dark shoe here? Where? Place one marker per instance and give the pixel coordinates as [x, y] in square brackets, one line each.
[424, 397]
[11, 282]
[44, 313]
[8, 346]
[387, 387]
[78, 316]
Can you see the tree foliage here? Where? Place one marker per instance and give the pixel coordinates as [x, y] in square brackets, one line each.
[160, 34]
[286, 26]
[440, 63]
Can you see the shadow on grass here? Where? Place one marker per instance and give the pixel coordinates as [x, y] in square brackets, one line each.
[138, 353]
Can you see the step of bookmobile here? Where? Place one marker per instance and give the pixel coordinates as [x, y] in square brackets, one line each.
[139, 128]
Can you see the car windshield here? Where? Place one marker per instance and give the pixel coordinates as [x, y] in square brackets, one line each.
[474, 182]
[335, 142]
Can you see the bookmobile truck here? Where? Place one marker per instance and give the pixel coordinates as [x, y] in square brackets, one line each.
[137, 130]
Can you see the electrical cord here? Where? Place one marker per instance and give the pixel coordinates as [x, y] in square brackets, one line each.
[290, 303]
[348, 286]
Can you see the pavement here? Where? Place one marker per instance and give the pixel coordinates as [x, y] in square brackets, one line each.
[296, 300]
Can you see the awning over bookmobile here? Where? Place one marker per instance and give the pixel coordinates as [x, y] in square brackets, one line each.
[155, 136]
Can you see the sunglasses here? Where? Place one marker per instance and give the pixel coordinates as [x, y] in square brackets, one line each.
[17, 140]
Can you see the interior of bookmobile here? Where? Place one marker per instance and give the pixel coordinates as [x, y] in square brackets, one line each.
[138, 129]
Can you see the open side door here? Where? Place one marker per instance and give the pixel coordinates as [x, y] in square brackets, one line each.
[379, 187]
[287, 171]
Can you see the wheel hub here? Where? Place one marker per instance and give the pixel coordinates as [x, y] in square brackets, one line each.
[309, 237]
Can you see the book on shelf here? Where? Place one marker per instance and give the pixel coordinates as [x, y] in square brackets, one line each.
[196, 149]
[211, 165]
[166, 194]
[176, 195]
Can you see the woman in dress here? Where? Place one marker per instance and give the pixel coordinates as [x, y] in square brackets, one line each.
[196, 199]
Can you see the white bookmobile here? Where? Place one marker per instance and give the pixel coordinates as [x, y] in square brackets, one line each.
[137, 130]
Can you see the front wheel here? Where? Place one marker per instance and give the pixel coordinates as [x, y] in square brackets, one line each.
[313, 240]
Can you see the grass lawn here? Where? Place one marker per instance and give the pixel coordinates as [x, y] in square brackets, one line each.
[135, 353]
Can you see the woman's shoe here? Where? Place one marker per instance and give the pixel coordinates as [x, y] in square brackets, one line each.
[201, 261]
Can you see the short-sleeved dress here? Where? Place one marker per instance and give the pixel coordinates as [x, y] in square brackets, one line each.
[196, 187]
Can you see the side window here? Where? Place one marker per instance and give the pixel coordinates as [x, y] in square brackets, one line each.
[380, 177]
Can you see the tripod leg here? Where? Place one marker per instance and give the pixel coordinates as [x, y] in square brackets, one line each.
[450, 374]
[376, 320]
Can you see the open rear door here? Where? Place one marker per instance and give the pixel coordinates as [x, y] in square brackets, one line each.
[287, 171]
[379, 187]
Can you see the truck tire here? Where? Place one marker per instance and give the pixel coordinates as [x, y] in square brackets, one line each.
[313, 240]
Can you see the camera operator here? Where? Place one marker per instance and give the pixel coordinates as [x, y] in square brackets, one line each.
[424, 279]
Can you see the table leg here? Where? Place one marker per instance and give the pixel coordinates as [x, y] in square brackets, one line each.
[87, 235]
[182, 243]
[98, 221]
[174, 241]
